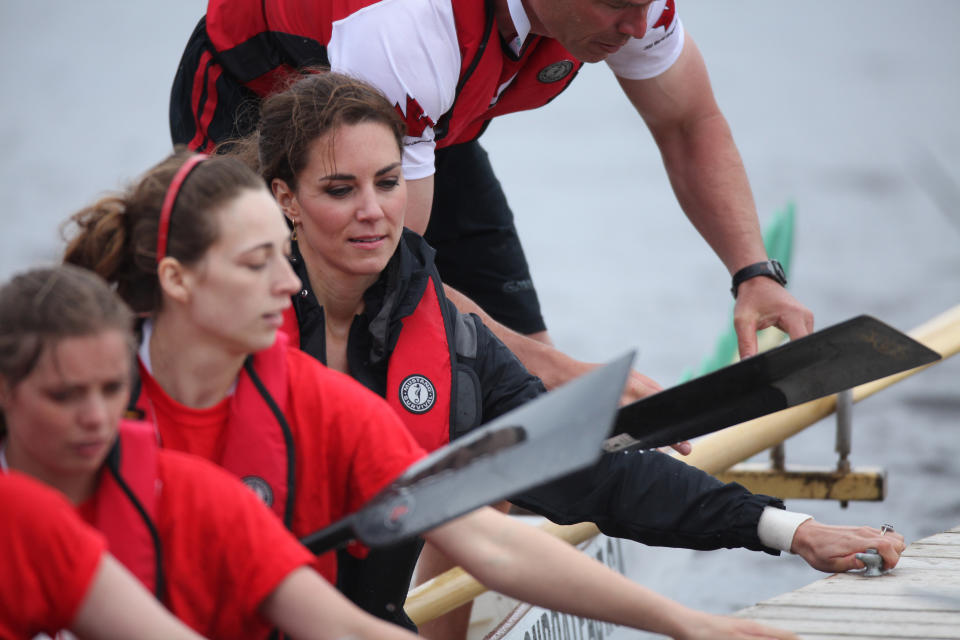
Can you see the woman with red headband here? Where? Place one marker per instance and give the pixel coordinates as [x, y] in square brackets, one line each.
[190, 532]
[64, 576]
[218, 380]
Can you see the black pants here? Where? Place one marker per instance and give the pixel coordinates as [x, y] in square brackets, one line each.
[478, 251]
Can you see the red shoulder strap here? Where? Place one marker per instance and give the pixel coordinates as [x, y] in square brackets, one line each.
[419, 377]
[259, 447]
[291, 326]
[126, 503]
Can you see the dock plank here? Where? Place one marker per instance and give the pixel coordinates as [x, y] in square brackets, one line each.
[857, 615]
[941, 538]
[919, 599]
[933, 550]
[902, 631]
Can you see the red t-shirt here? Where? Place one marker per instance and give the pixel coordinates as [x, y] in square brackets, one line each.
[48, 558]
[349, 442]
[223, 550]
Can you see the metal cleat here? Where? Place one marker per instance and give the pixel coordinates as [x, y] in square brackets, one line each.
[873, 562]
[872, 559]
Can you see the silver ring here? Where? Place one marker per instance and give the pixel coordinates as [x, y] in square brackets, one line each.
[886, 527]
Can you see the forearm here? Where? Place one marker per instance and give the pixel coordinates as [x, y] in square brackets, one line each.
[527, 564]
[710, 182]
[305, 606]
[117, 607]
[433, 562]
[700, 157]
[540, 358]
[546, 362]
[419, 204]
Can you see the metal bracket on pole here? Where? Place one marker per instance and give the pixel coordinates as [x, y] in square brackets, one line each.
[778, 457]
[844, 433]
[842, 483]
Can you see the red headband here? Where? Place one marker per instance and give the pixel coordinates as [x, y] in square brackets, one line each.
[170, 199]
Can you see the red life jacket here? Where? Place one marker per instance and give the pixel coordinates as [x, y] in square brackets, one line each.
[258, 445]
[420, 373]
[260, 43]
[542, 71]
[125, 504]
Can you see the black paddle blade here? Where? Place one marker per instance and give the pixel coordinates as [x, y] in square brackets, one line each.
[556, 434]
[828, 361]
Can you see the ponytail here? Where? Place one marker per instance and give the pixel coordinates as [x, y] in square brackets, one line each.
[117, 236]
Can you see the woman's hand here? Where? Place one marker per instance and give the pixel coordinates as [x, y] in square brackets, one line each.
[705, 626]
[833, 548]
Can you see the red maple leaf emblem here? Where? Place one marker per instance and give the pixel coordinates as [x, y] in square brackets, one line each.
[415, 118]
[666, 17]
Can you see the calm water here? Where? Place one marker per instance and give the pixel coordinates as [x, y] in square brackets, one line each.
[849, 112]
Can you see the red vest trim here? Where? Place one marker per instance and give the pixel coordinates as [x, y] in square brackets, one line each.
[126, 503]
[291, 326]
[419, 376]
[258, 445]
[542, 71]
[261, 43]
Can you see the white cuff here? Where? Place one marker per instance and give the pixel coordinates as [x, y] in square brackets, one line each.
[777, 526]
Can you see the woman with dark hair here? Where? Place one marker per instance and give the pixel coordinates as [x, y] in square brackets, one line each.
[194, 536]
[59, 575]
[218, 380]
[372, 306]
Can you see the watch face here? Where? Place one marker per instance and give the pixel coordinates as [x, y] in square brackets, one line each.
[778, 271]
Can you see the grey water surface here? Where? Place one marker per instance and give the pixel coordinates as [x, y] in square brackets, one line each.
[850, 110]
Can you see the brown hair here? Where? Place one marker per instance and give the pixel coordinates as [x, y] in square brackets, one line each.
[117, 236]
[309, 108]
[42, 306]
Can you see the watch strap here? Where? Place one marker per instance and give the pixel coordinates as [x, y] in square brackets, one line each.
[768, 268]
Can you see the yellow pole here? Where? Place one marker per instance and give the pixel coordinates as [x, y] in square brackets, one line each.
[713, 454]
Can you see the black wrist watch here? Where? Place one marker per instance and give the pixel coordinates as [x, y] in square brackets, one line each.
[769, 268]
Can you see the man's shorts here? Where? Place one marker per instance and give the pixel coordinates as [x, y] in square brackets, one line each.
[478, 250]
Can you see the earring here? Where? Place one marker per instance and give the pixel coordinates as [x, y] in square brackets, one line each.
[293, 234]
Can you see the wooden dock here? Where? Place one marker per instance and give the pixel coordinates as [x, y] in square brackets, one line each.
[920, 598]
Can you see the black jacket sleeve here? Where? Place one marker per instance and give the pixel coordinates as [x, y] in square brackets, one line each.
[641, 495]
[505, 383]
[655, 499]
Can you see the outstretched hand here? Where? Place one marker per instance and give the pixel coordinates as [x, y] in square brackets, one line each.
[763, 303]
[712, 627]
[638, 386]
[832, 548]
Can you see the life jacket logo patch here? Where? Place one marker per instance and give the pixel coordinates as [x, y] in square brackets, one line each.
[417, 394]
[555, 72]
[260, 487]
